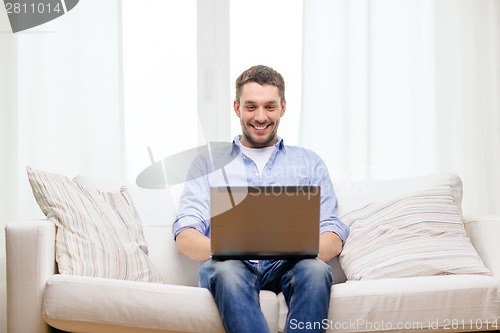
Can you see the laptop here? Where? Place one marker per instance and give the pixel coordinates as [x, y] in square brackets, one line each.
[266, 222]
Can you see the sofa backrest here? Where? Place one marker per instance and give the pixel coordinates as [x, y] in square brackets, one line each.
[158, 208]
[353, 195]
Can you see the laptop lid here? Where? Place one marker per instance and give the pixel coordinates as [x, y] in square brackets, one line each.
[274, 222]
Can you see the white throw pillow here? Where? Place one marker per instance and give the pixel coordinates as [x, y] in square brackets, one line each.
[419, 234]
[99, 233]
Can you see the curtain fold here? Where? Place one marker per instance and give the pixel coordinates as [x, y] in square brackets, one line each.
[404, 88]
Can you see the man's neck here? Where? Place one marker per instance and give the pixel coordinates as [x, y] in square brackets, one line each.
[247, 144]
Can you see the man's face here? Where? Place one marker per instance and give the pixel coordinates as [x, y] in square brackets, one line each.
[260, 109]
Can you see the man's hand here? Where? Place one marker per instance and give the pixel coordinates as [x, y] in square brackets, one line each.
[330, 246]
[193, 244]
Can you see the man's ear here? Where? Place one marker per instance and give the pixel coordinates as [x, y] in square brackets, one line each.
[236, 107]
[283, 108]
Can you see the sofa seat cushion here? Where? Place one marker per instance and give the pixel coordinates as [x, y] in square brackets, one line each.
[418, 304]
[86, 304]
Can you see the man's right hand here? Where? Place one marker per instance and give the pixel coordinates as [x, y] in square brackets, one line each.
[193, 244]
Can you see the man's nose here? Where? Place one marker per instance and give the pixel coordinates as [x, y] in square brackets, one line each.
[260, 115]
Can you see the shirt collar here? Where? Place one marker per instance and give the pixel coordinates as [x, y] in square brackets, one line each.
[237, 145]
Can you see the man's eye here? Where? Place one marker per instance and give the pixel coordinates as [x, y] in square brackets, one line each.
[271, 107]
[250, 107]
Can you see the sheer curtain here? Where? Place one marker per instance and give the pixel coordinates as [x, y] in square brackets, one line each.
[403, 88]
[468, 98]
[60, 105]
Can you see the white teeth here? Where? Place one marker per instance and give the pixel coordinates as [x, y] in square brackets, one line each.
[260, 127]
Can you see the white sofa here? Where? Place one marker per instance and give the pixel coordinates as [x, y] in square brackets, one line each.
[39, 298]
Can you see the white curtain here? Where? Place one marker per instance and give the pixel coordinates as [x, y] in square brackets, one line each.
[468, 98]
[397, 88]
[60, 104]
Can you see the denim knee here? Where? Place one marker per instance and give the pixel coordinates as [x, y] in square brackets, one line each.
[231, 273]
[313, 271]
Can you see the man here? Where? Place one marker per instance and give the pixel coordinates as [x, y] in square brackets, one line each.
[261, 158]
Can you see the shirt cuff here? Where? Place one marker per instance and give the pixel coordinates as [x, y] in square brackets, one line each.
[341, 231]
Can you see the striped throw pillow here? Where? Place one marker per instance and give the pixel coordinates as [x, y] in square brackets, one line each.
[419, 234]
[99, 234]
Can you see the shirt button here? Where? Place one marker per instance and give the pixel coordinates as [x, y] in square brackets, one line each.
[256, 174]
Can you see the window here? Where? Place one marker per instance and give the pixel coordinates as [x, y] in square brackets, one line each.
[269, 33]
[160, 70]
[159, 75]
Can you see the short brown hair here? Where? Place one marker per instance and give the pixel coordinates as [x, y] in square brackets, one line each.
[262, 75]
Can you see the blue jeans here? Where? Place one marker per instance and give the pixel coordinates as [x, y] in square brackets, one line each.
[236, 284]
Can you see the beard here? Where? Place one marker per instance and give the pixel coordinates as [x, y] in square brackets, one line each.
[260, 141]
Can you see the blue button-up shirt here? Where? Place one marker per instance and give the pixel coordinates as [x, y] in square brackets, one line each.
[287, 166]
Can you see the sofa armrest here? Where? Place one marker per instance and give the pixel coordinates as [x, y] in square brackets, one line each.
[30, 249]
[484, 232]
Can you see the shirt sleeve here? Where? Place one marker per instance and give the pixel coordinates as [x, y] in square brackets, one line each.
[194, 204]
[328, 212]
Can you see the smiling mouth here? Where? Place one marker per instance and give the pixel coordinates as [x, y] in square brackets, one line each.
[261, 127]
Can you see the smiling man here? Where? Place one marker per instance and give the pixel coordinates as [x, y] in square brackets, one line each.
[259, 107]
[264, 159]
